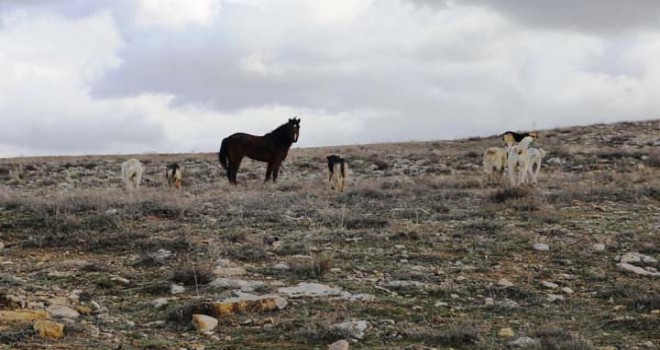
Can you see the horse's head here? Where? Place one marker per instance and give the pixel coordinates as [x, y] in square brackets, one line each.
[294, 128]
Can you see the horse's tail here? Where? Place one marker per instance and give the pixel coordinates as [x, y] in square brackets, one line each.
[222, 155]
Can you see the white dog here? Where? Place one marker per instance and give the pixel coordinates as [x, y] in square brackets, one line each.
[535, 156]
[131, 174]
[518, 161]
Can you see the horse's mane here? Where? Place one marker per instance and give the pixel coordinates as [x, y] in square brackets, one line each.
[280, 135]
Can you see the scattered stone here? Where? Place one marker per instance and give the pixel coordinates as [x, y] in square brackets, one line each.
[637, 270]
[441, 304]
[226, 268]
[245, 286]
[59, 301]
[489, 302]
[355, 328]
[508, 304]
[567, 290]
[121, 280]
[84, 310]
[49, 329]
[339, 345]
[607, 348]
[281, 266]
[635, 257]
[523, 342]
[550, 285]
[504, 283]
[61, 311]
[362, 297]
[158, 303]
[2, 246]
[204, 323]
[542, 247]
[506, 333]
[404, 284]
[598, 247]
[555, 297]
[304, 289]
[23, 315]
[246, 302]
[177, 289]
[162, 255]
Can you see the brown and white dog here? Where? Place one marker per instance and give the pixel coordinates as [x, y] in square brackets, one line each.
[511, 138]
[174, 174]
[337, 172]
[494, 160]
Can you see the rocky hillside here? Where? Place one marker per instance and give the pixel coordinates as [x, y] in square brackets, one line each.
[422, 251]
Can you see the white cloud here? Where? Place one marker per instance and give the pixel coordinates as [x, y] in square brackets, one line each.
[179, 76]
[175, 13]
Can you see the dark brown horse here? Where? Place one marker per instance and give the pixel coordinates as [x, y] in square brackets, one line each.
[271, 148]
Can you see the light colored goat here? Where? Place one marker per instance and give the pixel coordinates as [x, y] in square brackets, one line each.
[518, 161]
[535, 156]
[131, 174]
[494, 160]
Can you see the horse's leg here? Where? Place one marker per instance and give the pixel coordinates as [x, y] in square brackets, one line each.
[276, 170]
[269, 171]
[234, 165]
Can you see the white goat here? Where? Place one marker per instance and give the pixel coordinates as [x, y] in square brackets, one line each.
[131, 174]
[518, 161]
[535, 156]
[494, 160]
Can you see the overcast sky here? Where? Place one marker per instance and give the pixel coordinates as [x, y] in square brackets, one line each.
[132, 76]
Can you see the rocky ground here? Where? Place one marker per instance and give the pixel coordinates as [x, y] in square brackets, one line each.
[422, 251]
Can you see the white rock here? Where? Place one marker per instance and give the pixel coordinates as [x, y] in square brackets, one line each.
[162, 254]
[281, 266]
[542, 247]
[240, 296]
[229, 271]
[634, 257]
[362, 297]
[567, 290]
[404, 284]
[204, 323]
[355, 328]
[555, 297]
[489, 302]
[550, 285]
[244, 285]
[505, 283]
[62, 311]
[158, 303]
[523, 342]
[441, 304]
[177, 289]
[637, 270]
[598, 247]
[121, 280]
[304, 289]
[508, 303]
[339, 345]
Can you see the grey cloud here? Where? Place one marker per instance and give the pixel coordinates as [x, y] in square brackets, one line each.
[87, 135]
[595, 16]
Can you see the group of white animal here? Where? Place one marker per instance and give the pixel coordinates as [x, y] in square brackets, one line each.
[132, 169]
[522, 162]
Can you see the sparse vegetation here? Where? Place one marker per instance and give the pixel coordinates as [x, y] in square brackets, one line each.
[420, 244]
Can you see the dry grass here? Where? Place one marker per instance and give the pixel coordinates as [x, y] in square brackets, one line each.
[421, 213]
